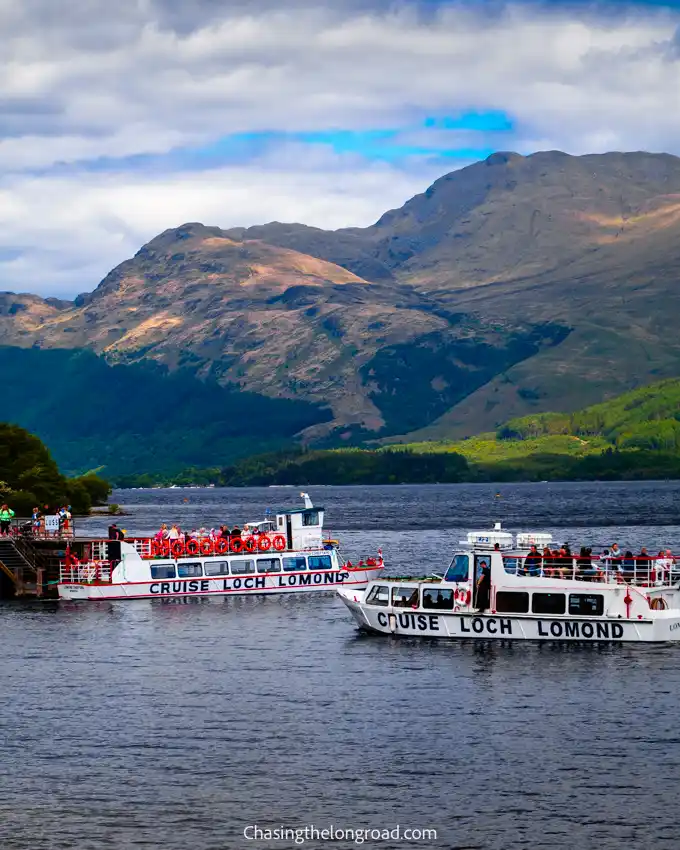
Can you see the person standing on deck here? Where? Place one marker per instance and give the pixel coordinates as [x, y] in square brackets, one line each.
[483, 588]
[6, 514]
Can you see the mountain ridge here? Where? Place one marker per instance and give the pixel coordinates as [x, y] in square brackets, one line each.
[516, 284]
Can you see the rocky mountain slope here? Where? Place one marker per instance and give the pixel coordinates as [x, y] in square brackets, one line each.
[515, 285]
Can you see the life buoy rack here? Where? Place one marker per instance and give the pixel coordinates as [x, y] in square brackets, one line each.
[264, 544]
[221, 546]
[236, 545]
[279, 542]
[192, 547]
[177, 548]
[206, 546]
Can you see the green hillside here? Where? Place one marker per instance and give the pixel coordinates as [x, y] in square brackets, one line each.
[636, 434]
[139, 418]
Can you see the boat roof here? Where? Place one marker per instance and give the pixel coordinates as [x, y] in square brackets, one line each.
[300, 510]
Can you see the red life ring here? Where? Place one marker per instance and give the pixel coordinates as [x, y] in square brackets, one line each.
[177, 548]
[221, 546]
[264, 544]
[155, 548]
[250, 544]
[279, 542]
[237, 545]
[192, 547]
[206, 546]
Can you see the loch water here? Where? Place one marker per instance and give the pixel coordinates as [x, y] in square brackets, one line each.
[176, 725]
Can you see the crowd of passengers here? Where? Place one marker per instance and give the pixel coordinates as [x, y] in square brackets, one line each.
[562, 561]
[174, 532]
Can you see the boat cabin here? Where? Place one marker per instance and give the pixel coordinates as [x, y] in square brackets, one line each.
[302, 527]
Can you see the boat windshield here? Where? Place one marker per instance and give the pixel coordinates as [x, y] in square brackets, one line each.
[458, 569]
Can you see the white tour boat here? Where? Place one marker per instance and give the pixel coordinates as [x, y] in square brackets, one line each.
[503, 589]
[287, 554]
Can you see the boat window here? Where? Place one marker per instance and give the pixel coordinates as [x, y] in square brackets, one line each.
[405, 597]
[378, 595]
[509, 602]
[163, 571]
[241, 567]
[436, 598]
[268, 565]
[310, 518]
[217, 568]
[548, 603]
[458, 569]
[586, 604]
[320, 562]
[296, 564]
[192, 570]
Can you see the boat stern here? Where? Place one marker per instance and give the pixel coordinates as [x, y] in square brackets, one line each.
[74, 591]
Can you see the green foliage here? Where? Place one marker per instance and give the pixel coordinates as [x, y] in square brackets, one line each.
[30, 477]
[416, 382]
[139, 417]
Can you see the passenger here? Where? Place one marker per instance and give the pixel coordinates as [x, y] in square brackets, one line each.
[532, 562]
[36, 517]
[628, 562]
[548, 562]
[483, 588]
[6, 514]
[236, 531]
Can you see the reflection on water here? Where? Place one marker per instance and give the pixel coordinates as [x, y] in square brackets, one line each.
[174, 725]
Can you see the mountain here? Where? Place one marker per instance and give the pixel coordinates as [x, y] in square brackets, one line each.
[513, 286]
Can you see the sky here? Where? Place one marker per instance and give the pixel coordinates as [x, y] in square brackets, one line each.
[121, 119]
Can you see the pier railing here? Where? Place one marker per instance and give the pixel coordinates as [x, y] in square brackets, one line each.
[48, 528]
[638, 570]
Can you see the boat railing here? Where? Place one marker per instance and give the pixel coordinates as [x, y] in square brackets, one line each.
[84, 572]
[638, 570]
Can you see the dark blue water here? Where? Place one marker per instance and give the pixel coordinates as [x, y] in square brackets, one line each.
[151, 725]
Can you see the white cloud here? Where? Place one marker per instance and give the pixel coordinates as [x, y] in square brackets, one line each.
[71, 230]
[91, 79]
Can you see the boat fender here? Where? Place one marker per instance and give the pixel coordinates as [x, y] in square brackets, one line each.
[206, 546]
[192, 547]
[177, 548]
[264, 544]
[392, 623]
[279, 542]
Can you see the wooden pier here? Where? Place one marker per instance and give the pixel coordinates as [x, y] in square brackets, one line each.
[29, 567]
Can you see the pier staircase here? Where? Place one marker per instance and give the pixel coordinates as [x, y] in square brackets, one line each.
[20, 568]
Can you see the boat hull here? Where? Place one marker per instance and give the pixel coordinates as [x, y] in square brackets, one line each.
[473, 626]
[308, 582]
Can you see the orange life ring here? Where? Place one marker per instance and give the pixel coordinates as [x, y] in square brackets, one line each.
[237, 545]
[264, 544]
[658, 604]
[192, 547]
[250, 544]
[279, 542]
[177, 548]
[221, 546]
[206, 546]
